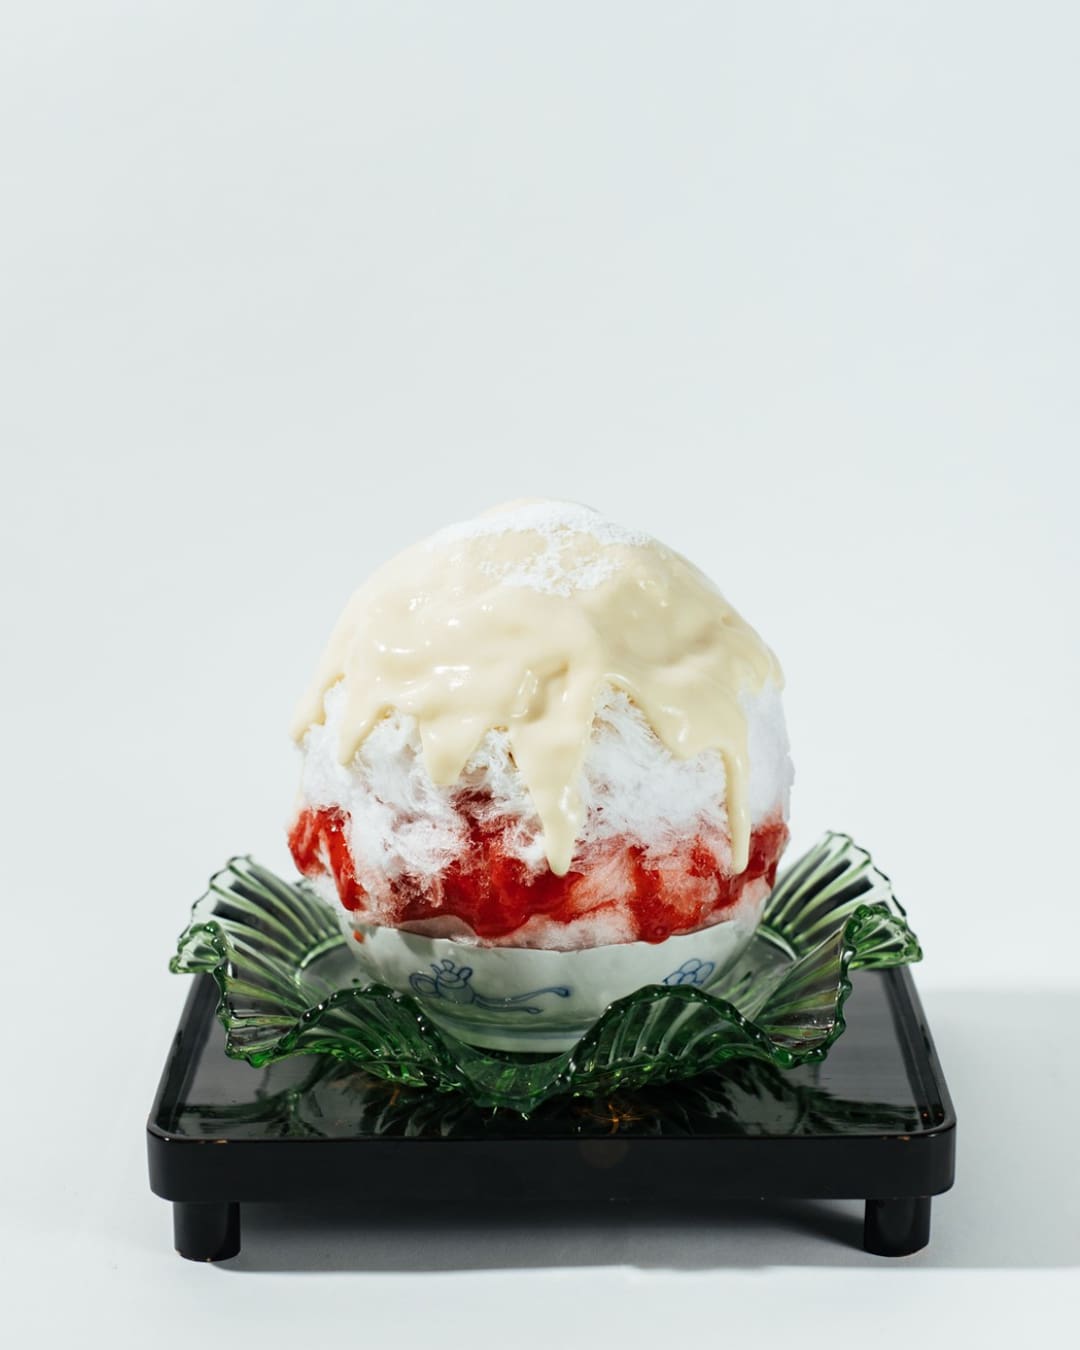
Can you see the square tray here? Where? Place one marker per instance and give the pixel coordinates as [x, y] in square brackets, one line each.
[873, 1122]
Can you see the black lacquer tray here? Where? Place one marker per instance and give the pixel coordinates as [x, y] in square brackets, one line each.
[873, 1122]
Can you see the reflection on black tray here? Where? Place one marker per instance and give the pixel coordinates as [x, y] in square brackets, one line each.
[745, 1098]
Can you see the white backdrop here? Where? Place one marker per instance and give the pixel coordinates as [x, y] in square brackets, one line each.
[795, 287]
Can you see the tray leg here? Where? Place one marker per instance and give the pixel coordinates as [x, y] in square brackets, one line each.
[206, 1231]
[897, 1227]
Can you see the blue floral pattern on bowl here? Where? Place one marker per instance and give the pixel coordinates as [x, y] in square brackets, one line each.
[692, 971]
[454, 983]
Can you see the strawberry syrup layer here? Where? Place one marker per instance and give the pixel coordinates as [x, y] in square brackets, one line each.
[492, 892]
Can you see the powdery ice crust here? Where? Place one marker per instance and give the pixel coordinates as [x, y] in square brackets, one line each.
[405, 831]
[550, 570]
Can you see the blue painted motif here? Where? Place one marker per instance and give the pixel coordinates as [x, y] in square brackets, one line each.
[692, 971]
[454, 983]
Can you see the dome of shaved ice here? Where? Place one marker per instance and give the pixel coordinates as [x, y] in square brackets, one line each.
[650, 851]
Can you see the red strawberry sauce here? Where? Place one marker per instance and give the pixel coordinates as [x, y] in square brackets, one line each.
[494, 893]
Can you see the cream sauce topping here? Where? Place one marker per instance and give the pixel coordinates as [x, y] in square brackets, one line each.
[517, 620]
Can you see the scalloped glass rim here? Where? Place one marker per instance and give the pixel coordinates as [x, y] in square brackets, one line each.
[273, 949]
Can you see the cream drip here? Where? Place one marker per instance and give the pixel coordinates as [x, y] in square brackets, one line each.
[518, 620]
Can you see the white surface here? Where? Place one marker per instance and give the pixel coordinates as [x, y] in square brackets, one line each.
[285, 287]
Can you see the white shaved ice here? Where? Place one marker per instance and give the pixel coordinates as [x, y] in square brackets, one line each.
[402, 825]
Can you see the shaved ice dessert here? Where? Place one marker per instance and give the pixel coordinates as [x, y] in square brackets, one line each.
[540, 733]
[555, 814]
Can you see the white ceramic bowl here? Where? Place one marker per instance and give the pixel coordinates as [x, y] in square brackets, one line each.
[517, 998]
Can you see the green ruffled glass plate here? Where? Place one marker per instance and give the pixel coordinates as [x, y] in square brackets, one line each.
[289, 986]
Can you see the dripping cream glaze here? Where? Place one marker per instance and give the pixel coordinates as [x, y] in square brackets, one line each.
[519, 620]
